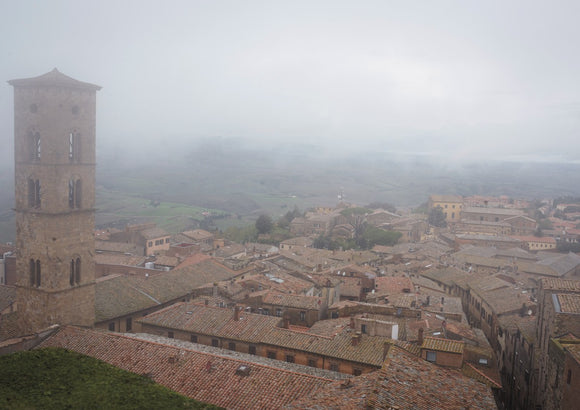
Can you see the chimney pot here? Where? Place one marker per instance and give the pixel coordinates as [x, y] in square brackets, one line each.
[236, 313]
[420, 339]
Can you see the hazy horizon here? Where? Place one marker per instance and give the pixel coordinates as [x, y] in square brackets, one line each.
[454, 79]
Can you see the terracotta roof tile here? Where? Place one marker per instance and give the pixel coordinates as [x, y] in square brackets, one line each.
[443, 345]
[120, 296]
[560, 284]
[202, 376]
[569, 303]
[404, 382]
[292, 301]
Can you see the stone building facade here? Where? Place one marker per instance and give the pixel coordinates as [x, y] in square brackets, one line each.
[54, 149]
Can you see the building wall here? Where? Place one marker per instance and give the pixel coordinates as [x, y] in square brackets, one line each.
[550, 324]
[156, 245]
[570, 383]
[57, 227]
[451, 208]
[446, 359]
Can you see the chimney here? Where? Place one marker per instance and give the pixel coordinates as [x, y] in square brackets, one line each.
[286, 322]
[442, 300]
[236, 313]
[355, 339]
[386, 347]
[420, 339]
[215, 289]
[428, 300]
[351, 322]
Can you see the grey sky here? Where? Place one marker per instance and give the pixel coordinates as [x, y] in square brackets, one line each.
[464, 78]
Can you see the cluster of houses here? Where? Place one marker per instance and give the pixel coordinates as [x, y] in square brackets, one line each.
[494, 315]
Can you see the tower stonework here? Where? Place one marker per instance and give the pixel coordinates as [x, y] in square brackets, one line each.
[54, 149]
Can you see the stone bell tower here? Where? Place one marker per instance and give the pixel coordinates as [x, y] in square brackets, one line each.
[54, 149]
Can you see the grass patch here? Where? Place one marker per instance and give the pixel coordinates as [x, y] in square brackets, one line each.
[59, 379]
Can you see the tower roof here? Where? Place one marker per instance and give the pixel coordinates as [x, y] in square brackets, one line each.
[53, 78]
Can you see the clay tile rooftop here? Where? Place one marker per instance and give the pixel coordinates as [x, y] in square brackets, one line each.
[404, 382]
[443, 345]
[226, 382]
[568, 303]
[561, 284]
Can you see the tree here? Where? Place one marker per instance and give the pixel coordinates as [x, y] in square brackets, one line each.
[264, 224]
[437, 217]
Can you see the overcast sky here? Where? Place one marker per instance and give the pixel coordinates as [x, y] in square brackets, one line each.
[465, 78]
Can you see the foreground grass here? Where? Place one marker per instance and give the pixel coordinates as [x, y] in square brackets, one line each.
[59, 379]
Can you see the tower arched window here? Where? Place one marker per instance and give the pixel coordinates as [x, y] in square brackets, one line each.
[35, 146]
[33, 193]
[74, 150]
[75, 271]
[74, 193]
[35, 273]
[72, 272]
[32, 269]
[78, 271]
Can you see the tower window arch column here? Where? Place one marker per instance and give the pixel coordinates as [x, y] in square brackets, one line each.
[35, 273]
[75, 271]
[33, 193]
[74, 148]
[74, 193]
[35, 145]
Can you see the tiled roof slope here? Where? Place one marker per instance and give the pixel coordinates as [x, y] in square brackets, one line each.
[562, 264]
[127, 294]
[569, 303]
[292, 301]
[561, 284]
[408, 382]
[213, 321]
[53, 78]
[186, 371]
[443, 345]
[404, 382]
[368, 350]
[254, 328]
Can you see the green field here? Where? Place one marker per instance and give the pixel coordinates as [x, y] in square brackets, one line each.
[60, 379]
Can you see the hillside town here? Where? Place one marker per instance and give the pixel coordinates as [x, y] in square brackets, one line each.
[466, 302]
[484, 300]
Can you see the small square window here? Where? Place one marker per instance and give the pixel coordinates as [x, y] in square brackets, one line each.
[312, 362]
[290, 358]
[193, 338]
[272, 355]
[431, 356]
[215, 342]
[334, 367]
[357, 372]
[170, 335]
